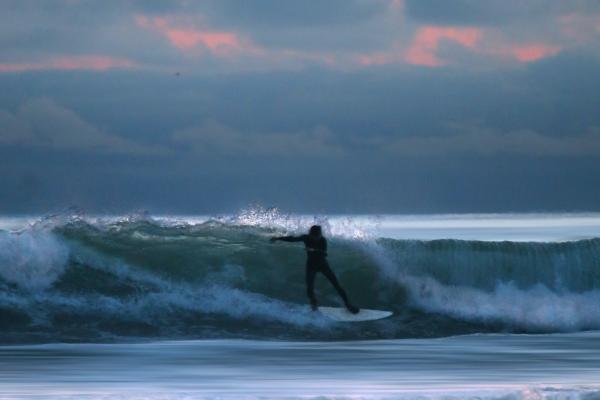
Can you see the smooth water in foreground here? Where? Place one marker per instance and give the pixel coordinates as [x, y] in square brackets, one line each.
[563, 366]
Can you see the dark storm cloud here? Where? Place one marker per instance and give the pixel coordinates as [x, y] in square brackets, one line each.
[333, 25]
[36, 31]
[382, 113]
[293, 13]
[369, 106]
[66, 26]
[267, 35]
[493, 12]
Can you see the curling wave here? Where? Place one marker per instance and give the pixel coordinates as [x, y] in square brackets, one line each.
[74, 279]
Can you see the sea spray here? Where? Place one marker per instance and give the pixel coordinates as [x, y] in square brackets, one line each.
[32, 259]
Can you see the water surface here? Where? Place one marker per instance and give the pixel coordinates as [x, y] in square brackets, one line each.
[487, 366]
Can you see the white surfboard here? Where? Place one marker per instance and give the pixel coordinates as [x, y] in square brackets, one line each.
[342, 314]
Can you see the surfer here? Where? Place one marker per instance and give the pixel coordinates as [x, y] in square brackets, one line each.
[316, 261]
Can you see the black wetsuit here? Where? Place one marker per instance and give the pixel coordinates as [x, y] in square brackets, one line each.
[316, 261]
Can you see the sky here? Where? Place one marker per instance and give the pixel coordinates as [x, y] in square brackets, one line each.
[317, 106]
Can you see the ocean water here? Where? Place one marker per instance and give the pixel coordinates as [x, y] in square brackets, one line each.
[141, 306]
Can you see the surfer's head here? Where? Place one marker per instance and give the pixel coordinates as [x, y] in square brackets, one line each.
[315, 230]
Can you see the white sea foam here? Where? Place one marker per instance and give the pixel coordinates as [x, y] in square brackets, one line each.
[536, 307]
[32, 259]
[210, 297]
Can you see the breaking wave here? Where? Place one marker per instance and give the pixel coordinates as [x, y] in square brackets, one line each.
[71, 278]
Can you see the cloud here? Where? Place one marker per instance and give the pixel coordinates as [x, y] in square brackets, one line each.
[70, 63]
[492, 12]
[423, 50]
[268, 35]
[532, 52]
[425, 47]
[264, 14]
[188, 37]
[477, 141]
[214, 138]
[581, 29]
[45, 124]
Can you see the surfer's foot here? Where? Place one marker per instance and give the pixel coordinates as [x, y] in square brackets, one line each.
[352, 309]
[314, 307]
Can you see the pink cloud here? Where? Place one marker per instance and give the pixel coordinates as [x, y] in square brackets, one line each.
[219, 43]
[424, 46]
[376, 58]
[68, 63]
[532, 52]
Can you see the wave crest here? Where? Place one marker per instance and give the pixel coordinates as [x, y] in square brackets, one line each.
[84, 279]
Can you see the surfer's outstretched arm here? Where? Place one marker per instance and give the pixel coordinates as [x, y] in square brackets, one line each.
[288, 238]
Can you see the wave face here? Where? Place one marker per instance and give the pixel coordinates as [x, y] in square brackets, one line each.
[73, 279]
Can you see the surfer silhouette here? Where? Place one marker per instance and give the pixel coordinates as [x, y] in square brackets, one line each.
[316, 261]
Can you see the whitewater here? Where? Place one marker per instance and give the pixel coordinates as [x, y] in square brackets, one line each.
[466, 291]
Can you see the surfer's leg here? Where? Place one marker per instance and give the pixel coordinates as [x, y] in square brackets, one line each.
[333, 279]
[310, 286]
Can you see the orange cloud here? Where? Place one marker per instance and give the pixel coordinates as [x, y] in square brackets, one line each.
[89, 62]
[217, 43]
[423, 49]
[533, 52]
